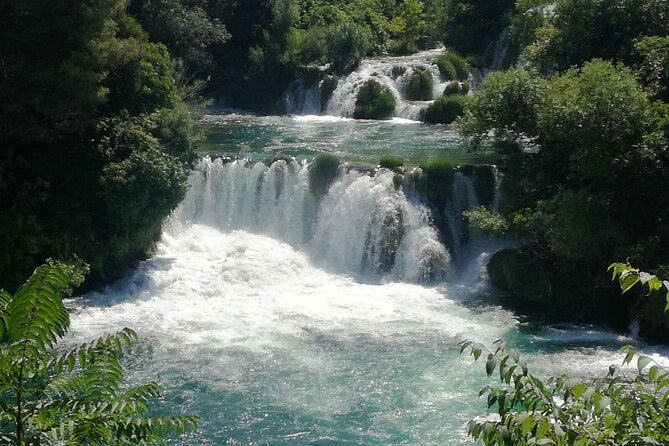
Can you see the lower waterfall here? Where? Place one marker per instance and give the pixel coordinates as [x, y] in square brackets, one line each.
[281, 317]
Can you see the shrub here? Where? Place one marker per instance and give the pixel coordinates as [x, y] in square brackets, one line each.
[322, 172]
[452, 88]
[391, 162]
[445, 109]
[420, 86]
[484, 221]
[465, 87]
[374, 102]
[446, 68]
[453, 66]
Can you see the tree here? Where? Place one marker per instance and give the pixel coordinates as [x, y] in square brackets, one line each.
[410, 24]
[73, 397]
[473, 24]
[582, 30]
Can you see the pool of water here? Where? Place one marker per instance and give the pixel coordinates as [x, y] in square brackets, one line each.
[356, 141]
[270, 341]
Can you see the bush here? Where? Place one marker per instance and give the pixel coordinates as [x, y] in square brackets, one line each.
[420, 86]
[391, 162]
[453, 66]
[374, 102]
[465, 87]
[445, 109]
[446, 68]
[484, 221]
[572, 410]
[322, 172]
[452, 88]
[348, 43]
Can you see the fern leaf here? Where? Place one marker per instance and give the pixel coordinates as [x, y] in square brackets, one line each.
[37, 316]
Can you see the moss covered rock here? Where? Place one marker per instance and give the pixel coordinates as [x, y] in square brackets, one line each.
[445, 109]
[374, 102]
[322, 172]
[453, 66]
[420, 86]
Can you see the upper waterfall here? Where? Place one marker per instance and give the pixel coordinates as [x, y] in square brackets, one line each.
[392, 72]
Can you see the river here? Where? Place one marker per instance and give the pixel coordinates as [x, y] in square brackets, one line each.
[281, 319]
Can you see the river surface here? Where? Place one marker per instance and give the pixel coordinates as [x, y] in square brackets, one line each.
[356, 141]
[272, 318]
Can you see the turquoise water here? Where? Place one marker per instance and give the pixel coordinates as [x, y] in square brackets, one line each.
[356, 141]
[269, 343]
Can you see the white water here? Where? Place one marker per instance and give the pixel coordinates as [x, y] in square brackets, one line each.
[393, 73]
[247, 322]
[363, 226]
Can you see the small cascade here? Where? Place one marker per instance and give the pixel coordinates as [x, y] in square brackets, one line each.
[302, 98]
[462, 198]
[394, 73]
[498, 51]
[364, 225]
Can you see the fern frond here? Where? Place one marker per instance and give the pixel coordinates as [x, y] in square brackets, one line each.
[37, 316]
[87, 353]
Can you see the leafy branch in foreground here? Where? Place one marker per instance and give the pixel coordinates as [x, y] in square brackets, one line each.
[75, 397]
[622, 408]
[628, 277]
[619, 409]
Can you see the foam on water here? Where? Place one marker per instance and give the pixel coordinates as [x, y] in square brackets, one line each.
[279, 320]
[244, 331]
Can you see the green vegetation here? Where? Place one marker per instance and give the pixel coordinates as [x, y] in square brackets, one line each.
[484, 221]
[582, 152]
[420, 86]
[323, 170]
[75, 397]
[622, 408]
[453, 66]
[579, 31]
[445, 109]
[435, 181]
[95, 137]
[471, 25]
[391, 162]
[374, 101]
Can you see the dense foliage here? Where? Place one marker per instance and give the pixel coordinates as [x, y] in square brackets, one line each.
[586, 147]
[75, 397]
[624, 407]
[445, 109]
[94, 136]
[374, 101]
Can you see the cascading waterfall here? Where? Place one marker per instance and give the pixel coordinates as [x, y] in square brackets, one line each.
[364, 225]
[393, 73]
[463, 198]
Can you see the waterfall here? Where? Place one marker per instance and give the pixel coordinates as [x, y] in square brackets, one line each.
[363, 226]
[462, 198]
[501, 48]
[393, 73]
[302, 99]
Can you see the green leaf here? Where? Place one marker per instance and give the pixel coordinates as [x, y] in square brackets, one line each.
[642, 362]
[490, 364]
[627, 282]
